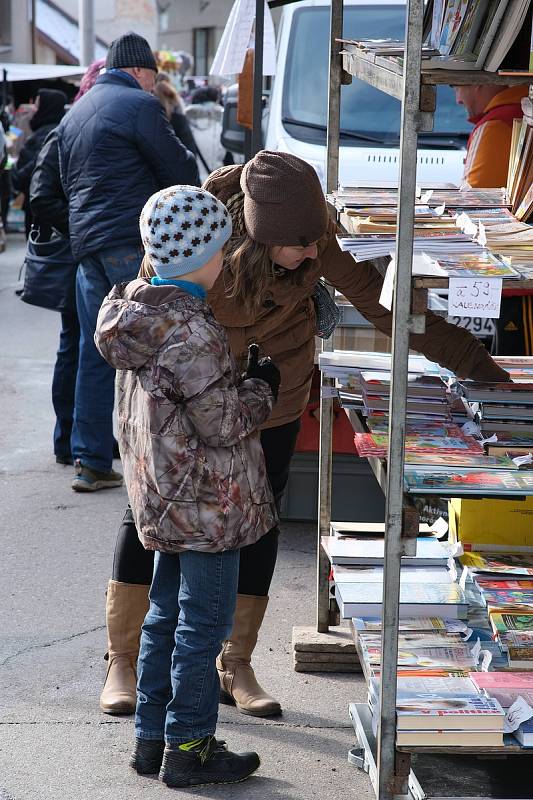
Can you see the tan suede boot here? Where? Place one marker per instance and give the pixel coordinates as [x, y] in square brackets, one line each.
[238, 685]
[126, 607]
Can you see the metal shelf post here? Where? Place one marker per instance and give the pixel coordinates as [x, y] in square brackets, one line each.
[392, 776]
[325, 458]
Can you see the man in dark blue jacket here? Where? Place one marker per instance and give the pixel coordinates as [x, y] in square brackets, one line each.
[116, 148]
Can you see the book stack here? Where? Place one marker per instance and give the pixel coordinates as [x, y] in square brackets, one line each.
[507, 688]
[427, 395]
[503, 408]
[505, 581]
[426, 583]
[466, 35]
[520, 175]
[442, 711]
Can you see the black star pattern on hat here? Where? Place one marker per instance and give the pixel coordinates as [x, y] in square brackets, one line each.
[185, 225]
[168, 220]
[157, 222]
[214, 226]
[165, 237]
[189, 199]
[187, 252]
[196, 241]
[174, 253]
[223, 223]
[199, 196]
[198, 222]
[207, 238]
[174, 209]
[187, 208]
[178, 237]
[205, 211]
[157, 245]
[164, 260]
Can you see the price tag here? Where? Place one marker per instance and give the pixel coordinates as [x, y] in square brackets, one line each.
[475, 297]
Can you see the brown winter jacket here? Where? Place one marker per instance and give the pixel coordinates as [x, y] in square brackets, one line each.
[285, 326]
[191, 453]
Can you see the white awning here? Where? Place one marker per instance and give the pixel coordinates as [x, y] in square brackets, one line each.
[61, 29]
[39, 72]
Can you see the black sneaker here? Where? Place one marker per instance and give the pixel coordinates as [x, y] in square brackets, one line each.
[147, 756]
[90, 480]
[207, 764]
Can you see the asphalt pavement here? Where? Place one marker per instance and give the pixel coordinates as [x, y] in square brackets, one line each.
[56, 555]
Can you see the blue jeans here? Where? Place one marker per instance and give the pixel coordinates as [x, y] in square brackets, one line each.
[64, 381]
[192, 602]
[92, 431]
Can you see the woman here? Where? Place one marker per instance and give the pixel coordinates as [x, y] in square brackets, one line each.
[171, 102]
[282, 243]
[50, 106]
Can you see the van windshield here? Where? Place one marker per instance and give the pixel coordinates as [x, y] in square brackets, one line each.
[367, 115]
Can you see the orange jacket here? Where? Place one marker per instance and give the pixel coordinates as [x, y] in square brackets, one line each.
[487, 155]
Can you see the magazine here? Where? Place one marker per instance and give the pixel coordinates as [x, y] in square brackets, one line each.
[460, 482]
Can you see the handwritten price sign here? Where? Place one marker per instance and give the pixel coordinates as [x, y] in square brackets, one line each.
[475, 297]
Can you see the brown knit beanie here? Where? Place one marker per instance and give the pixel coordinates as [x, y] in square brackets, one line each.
[283, 201]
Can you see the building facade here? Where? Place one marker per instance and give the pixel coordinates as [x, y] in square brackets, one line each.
[46, 31]
[194, 26]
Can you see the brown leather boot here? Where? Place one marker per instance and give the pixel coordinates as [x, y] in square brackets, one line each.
[238, 685]
[126, 607]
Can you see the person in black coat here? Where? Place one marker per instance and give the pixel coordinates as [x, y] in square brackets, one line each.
[116, 148]
[49, 208]
[50, 111]
[171, 102]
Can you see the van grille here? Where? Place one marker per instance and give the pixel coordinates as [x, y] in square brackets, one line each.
[394, 159]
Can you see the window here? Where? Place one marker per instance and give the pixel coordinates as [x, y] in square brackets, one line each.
[203, 49]
[364, 109]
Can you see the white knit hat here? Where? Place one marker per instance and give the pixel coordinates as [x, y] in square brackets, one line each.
[182, 227]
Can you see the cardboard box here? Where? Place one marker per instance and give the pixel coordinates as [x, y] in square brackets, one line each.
[492, 524]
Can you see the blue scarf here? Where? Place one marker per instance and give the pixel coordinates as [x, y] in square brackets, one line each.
[192, 288]
[126, 75]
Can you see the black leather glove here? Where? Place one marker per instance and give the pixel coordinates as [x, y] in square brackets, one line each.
[264, 369]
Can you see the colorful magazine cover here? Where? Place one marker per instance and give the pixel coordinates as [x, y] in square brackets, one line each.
[499, 563]
[459, 482]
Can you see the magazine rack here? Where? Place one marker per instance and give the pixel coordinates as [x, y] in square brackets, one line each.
[389, 766]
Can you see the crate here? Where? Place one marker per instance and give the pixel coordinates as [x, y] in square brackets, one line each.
[356, 495]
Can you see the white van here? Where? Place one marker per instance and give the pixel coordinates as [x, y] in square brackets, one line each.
[370, 119]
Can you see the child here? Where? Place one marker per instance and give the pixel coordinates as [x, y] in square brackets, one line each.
[195, 474]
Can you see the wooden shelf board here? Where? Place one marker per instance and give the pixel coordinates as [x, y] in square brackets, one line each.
[385, 74]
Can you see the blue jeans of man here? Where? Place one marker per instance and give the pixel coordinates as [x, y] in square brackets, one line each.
[64, 381]
[92, 431]
[192, 602]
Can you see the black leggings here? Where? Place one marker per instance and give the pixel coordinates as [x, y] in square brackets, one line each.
[133, 564]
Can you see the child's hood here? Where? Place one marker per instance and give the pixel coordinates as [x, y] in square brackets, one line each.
[136, 319]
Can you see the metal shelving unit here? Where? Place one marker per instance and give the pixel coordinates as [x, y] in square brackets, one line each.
[389, 766]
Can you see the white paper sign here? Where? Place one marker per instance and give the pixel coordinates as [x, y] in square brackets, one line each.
[439, 527]
[387, 289]
[237, 38]
[471, 428]
[475, 297]
[521, 460]
[519, 712]
[486, 660]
